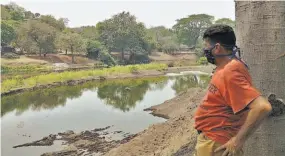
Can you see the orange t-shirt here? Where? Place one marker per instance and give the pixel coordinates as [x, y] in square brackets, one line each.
[224, 108]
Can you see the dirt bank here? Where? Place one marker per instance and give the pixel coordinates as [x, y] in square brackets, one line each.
[145, 73]
[176, 136]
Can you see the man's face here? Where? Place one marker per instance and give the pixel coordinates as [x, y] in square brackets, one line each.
[216, 47]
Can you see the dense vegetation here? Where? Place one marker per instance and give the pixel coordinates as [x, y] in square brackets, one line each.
[33, 33]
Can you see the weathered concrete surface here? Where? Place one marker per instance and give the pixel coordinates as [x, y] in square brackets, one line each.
[260, 27]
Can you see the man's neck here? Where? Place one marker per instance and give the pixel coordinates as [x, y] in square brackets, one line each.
[220, 62]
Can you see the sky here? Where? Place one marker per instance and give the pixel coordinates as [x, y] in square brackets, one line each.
[152, 13]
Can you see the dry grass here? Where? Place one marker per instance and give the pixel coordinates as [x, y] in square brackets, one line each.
[49, 59]
[58, 58]
[22, 61]
[159, 56]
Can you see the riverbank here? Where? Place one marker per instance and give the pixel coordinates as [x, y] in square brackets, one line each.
[18, 85]
[176, 136]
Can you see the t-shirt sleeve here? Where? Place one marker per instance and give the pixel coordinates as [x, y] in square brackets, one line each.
[239, 90]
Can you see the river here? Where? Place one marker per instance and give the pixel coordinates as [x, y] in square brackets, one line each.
[32, 115]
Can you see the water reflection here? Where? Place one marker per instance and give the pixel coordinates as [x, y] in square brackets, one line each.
[121, 94]
[125, 95]
[41, 99]
[182, 83]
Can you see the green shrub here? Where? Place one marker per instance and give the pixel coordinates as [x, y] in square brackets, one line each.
[134, 69]
[24, 68]
[11, 56]
[202, 61]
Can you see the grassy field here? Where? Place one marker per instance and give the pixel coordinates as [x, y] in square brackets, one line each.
[25, 68]
[20, 82]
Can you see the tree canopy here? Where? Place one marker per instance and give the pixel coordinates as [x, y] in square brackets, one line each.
[124, 34]
[226, 21]
[37, 34]
[189, 29]
[8, 32]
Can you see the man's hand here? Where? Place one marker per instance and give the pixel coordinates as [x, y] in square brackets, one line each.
[231, 147]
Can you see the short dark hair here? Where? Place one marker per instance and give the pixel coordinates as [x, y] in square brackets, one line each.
[221, 33]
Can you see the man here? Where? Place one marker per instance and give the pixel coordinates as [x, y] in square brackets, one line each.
[232, 108]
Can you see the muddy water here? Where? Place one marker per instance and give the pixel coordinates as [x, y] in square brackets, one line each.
[32, 115]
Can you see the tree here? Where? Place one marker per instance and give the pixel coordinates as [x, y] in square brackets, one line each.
[163, 39]
[26, 44]
[123, 33]
[93, 48]
[8, 33]
[260, 27]
[29, 15]
[35, 32]
[106, 58]
[63, 21]
[37, 15]
[96, 50]
[226, 21]
[88, 32]
[158, 33]
[169, 46]
[72, 41]
[5, 15]
[189, 29]
[50, 20]
[17, 13]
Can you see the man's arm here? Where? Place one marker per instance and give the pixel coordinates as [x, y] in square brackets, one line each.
[258, 110]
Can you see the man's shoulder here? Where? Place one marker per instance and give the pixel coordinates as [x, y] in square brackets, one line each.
[234, 66]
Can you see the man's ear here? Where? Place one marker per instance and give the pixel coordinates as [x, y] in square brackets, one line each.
[217, 49]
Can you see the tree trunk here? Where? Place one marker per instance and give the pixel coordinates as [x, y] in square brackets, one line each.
[72, 55]
[123, 55]
[40, 52]
[131, 58]
[260, 27]
[65, 51]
